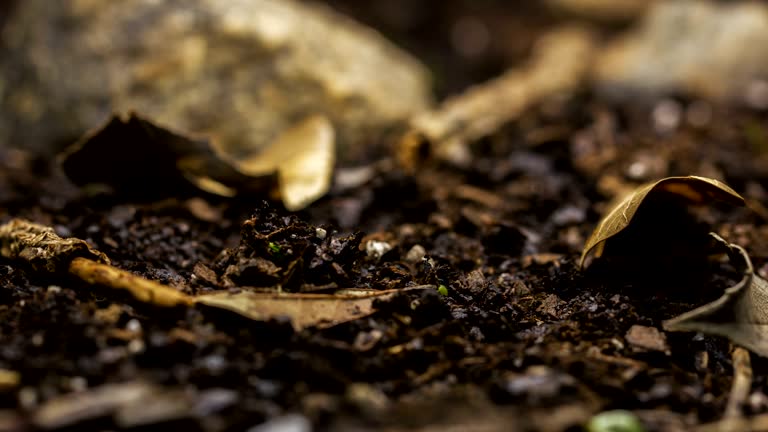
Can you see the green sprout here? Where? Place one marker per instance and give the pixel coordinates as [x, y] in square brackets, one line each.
[442, 290]
[615, 421]
[274, 247]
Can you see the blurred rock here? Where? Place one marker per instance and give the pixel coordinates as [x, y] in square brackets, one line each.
[238, 72]
[705, 48]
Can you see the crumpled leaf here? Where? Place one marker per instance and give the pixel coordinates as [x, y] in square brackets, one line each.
[691, 189]
[740, 315]
[42, 248]
[304, 310]
[302, 156]
[138, 157]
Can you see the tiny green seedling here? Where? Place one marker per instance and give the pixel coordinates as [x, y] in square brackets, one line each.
[274, 247]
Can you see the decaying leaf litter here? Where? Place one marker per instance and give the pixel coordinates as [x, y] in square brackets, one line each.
[523, 337]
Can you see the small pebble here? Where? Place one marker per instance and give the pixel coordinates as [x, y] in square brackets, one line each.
[321, 233]
[133, 326]
[286, 423]
[647, 338]
[415, 254]
[377, 248]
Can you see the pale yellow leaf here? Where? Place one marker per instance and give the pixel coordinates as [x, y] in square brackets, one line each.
[303, 157]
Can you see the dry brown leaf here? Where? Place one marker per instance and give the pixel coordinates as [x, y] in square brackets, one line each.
[693, 189]
[303, 157]
[136, 156]
[740, 315]
[41, 248]
[304, 310]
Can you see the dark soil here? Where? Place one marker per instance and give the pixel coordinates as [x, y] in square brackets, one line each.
[523, 340]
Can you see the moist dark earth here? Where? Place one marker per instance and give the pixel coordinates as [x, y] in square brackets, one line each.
[523, 339]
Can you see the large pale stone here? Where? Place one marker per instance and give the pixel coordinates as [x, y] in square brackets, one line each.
[237, 71]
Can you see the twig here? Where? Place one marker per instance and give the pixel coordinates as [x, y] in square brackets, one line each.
[742, 382]
[559, 64]
[144, 290]
[733, 419]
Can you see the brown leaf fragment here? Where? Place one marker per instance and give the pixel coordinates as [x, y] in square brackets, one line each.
[138, 157]
[303, 157]
[560, 62]
[691, 189]
[135, 156]
[304, 310]
[41, 248]
[741, 314]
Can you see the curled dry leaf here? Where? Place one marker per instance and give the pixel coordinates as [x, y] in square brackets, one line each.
[302, 156]
[136, 156]
[41, 248]
[304, 310]
[693, 189]
[740, 315]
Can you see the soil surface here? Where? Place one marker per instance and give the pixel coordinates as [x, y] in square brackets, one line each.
[520, 339]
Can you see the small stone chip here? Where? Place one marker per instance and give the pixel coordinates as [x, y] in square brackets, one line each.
[647, 338]
[415, 254]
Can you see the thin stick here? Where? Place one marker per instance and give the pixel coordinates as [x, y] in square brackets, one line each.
[142, 289]
[733, 419]
[742, 382]
[560, 62]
